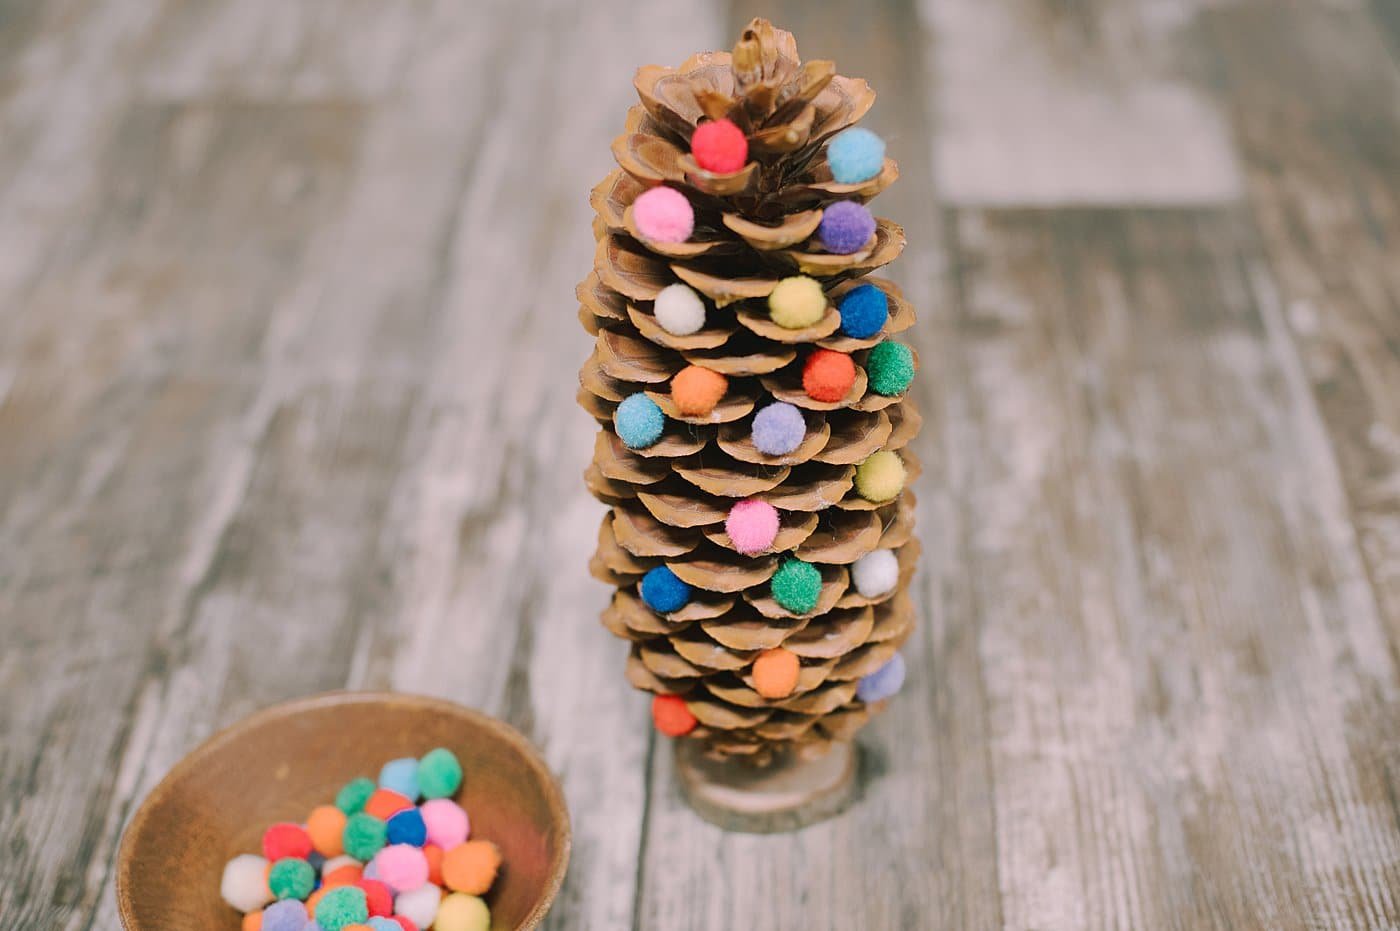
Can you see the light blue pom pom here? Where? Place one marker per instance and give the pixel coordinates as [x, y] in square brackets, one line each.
[401, 776]
[855, 155]
[884, 682]
[639, 421]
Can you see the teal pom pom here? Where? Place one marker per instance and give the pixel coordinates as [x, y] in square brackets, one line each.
[639, 421]
[797, 586]
[890, 368]
[855, 155]
[352, 798]
[343, 905]
[291, 878]
[439, 773]
[364, 835]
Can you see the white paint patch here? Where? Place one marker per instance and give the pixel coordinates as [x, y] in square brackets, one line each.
[1041, 113]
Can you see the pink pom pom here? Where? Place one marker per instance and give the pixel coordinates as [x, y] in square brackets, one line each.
[662, 214]
[446, 822]
[752, 526]
[401, 867]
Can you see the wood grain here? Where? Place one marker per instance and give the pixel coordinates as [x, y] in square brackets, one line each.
[286, 356]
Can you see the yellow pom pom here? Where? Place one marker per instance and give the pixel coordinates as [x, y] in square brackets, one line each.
[797, 302]
[880, 477]
[461, 912]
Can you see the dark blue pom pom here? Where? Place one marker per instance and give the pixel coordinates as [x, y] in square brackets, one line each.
[407, 827]
[663, 591]
[864, 311]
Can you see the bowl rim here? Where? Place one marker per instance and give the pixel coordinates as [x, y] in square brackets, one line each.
[554, 795]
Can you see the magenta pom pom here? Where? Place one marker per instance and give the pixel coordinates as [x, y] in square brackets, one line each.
[752, 526]
[662, 214]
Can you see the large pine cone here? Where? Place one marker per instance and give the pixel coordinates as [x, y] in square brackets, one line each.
[669, 500]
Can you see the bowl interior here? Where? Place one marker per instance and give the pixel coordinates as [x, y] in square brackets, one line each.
[280, 763]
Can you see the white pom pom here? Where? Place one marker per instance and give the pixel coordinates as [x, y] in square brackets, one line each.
[244, 885]
[679, 310]
[419, 906]
[876, 573]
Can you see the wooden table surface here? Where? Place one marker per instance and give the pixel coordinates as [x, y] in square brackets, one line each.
[287, 355]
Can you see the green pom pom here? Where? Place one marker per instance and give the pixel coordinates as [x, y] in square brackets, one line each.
[797, 586]
[291, 878]
[352, 798]
[364, 836]
[439, 774]
[890, 368]
[343, 905]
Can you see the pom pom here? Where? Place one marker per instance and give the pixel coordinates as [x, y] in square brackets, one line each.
[325, 825]
[890, 368]
[403, 922]
[439, 773]
[881, 477]
[244, 883]
[401, 776]
[379, 899]
[671, 717]
[864, 310]
[352, 798]
[828, 375]
[855, 155]
[662, 214]
[639, 421]
[419, 906]
[291, 878]
[797, 302]
[775, 673]
[846, 227]
[433, 854]
[289, 915]
[719, 146]
[346, 875]
[384, 803]
[875, 573]
[377, 923]
[340, 907]
[471, 867]
[797, 586]
[752, 526]
[364, 836]
[407, 827]
[285, 840]
[401, 867]
[663, 591]
[679, 310]
[252, 922]
[697, 390]
[884, 682]
[778, 429]
[446, 821]
[461, 912]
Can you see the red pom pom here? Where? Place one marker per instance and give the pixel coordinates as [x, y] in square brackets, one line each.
[377, 897]
[719, 146]
[828, 375]
[671, 716]
[286, 840]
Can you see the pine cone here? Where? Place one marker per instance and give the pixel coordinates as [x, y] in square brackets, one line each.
[671, 493]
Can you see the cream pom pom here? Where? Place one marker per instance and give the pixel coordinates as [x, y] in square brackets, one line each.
[679, 310]
[875, 573]
[244, 885]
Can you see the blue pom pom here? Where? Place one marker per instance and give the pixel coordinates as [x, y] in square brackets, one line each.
[663, 591]
[855, 155]
[864, 311]
[639, 421]
[846, 226]
[778, 429]
[407, 827]
[382, 924]
[401, 776]
[884, 682]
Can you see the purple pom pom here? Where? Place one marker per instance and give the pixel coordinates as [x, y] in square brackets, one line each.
[778, 429]
[845, 227]
[289, 915]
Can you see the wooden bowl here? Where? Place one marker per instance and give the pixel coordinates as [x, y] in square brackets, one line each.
[281, 762]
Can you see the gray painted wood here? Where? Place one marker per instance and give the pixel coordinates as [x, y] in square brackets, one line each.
[286, 343]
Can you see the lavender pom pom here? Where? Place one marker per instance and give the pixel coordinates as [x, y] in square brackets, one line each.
[778, 429]
[845, 227]
[884, 682]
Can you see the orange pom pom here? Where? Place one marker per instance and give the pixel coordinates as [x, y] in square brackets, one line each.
[326, 825]
[828, 375]
[343, 876]
[697, 390]
[316, 897]
[775, 673]
[385, 803]
[252, 921]
[433, 854]
[671, 716]
[471, 867]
